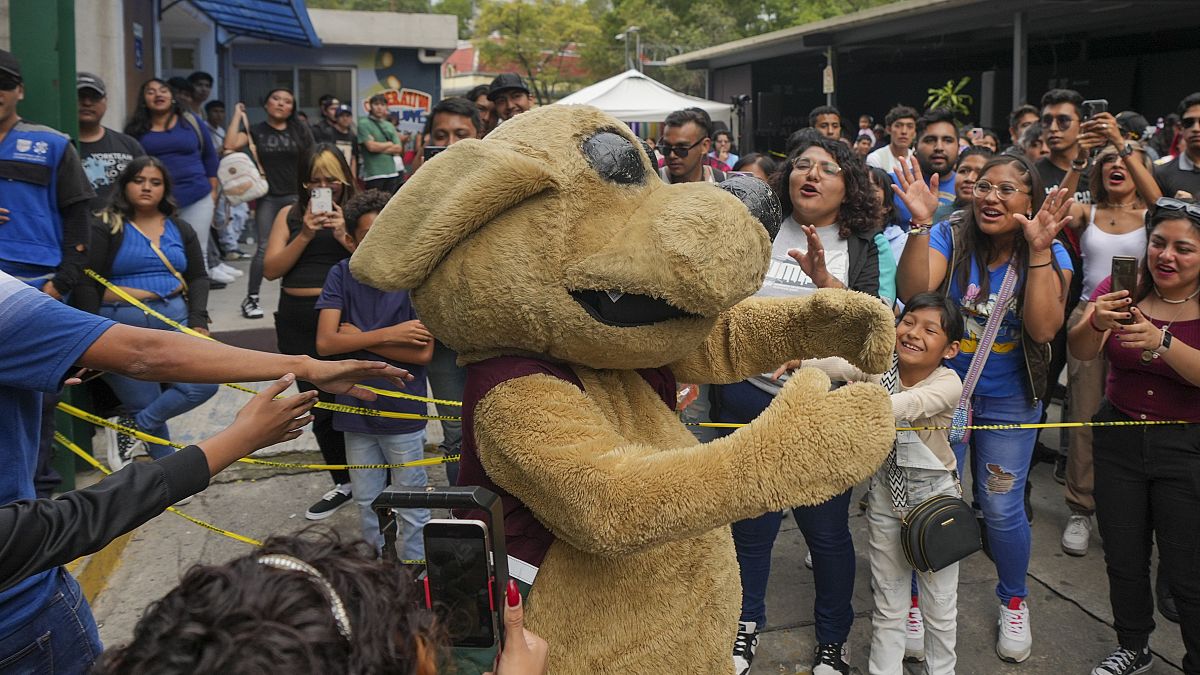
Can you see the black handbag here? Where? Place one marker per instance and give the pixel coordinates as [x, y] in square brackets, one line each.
[939, 532]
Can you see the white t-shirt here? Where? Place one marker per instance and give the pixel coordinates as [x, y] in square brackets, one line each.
[884, 159]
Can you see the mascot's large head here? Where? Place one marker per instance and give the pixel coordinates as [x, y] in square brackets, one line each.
[555, 236]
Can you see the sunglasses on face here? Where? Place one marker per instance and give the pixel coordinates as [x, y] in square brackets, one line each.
[1189, 209]
[680, 151]
[1004, 191]
[1064, 121]
[9, 83]
[805, 165]
[1189, 122]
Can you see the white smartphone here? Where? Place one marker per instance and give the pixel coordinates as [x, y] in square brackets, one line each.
[322, 200]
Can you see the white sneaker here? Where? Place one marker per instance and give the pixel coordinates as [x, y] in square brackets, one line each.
[220, 276]
[1076, 535]
[229, 269]
[744, 647]
[1014, 641]
[914, 635]
[808, 560]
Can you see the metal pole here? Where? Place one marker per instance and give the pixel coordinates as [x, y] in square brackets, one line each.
[831, 59]
[638, 51]
[1020, 60]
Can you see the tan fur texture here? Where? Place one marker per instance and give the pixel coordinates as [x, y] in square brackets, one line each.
[492, 237]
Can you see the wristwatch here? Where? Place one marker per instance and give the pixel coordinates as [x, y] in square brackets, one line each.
[1125, 151]
[1166, 342]
[1079, 164]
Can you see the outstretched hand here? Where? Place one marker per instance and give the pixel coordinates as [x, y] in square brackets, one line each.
[341, 377]
[812, 261]
[1046, 223]
[921, 199]
[265, 420]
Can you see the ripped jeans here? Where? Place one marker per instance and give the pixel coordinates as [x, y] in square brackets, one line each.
[999, 466]
[891, 581]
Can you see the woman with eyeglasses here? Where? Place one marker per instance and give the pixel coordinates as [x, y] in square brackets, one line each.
[281, 142]
[1147, 478]
[830, 239]
[1121, 184]
[1011, 222]
[307, 241]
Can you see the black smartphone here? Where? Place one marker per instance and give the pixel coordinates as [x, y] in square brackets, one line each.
[1093, 107]
[1124, 277]
[431, 150]
[458, 582]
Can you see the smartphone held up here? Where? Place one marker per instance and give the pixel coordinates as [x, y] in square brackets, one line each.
[1124, 277]
[322, 200]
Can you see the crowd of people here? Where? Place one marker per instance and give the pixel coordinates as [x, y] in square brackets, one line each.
[997, 258]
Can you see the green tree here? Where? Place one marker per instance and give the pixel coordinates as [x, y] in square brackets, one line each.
[535, 35]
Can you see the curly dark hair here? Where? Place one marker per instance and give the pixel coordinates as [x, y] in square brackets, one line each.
[361, 204]
[858, 212]
[243, 617]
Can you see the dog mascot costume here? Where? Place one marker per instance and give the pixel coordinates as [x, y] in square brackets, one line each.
[578, 288]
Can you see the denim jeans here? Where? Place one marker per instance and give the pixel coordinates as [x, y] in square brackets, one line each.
[1147, 492]
[151, 403]
[826, 530]
[368, 483]
[447, 382]
[60, 639]
[892, 579]
[999, 467]
[264, 217]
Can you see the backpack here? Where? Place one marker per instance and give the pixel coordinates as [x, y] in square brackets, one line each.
[241, 175]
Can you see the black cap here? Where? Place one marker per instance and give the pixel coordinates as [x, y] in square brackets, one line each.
[90, 81]
[504, 82]
[343, 110]
[1133, 125]
[9, 64]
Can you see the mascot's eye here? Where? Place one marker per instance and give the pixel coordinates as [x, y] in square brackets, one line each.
[615, 158]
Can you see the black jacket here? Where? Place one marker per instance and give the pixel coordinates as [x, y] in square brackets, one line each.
[39, 534]
[102, 250]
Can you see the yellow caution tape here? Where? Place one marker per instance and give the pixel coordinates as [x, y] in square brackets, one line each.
[141, 435]
[66, 443]
[121, 293]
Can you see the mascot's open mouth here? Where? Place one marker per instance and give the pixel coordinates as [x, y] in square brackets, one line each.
[627, 310]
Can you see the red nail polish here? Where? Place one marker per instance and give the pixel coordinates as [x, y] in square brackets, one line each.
[514, 593]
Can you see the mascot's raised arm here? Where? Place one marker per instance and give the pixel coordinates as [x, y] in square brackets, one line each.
[579, 287]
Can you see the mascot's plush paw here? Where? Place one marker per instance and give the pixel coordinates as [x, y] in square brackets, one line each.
[852, 325]
[812, 444]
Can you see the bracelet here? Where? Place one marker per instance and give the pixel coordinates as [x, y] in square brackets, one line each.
[1092, 323]
[918, 230]
[1079, 164]
[1045, 264]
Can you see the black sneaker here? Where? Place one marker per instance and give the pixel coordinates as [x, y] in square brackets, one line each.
[830, 658]
[1060, 470]
[1125, 662]
[121, 446]
[330, 502]
[744, 647]
[250, 308]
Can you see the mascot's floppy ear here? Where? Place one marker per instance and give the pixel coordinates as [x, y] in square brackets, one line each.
[451, 196]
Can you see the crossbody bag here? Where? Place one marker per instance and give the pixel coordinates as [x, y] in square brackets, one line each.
[163, 257]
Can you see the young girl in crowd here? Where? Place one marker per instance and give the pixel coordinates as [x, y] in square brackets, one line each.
[924, 394]
[723, 148]
[140, 244]
[1011, 223]
[281, 143]
[182, 142]
[302, 248]
[758, 165]
[1113, 225]
[1147, 478]
[355, 318]
[829, 239]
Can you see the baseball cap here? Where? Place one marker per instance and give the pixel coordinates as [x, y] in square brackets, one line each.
[343, 110]
[9, 64]
[90, 81]
[506, 81]
[1133, 125]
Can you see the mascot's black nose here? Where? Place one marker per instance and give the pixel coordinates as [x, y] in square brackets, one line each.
[759, 198]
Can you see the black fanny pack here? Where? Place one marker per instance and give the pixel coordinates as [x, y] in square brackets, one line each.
[939, 532]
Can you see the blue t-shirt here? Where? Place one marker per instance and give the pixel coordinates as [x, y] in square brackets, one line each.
[136, 265]
[370, 309]
[189, 155]
[945, 196]
[1004, 374]
[40, 340]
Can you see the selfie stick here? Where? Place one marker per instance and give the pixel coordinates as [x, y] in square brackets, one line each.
[444, 497]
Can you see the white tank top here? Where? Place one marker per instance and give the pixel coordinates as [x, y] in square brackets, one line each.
[1098, 248]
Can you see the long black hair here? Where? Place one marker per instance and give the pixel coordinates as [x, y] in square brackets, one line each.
[139, 122]
[857, 212]
[975, 247]
[325, 156]
[118, 209]
[295, 127]
[879, 178]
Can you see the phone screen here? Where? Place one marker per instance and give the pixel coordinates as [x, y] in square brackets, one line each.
[1124, 276]
[431, 150]
[322, 200]
[459, 575]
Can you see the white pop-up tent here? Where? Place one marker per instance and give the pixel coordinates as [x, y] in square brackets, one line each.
[633, 97]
